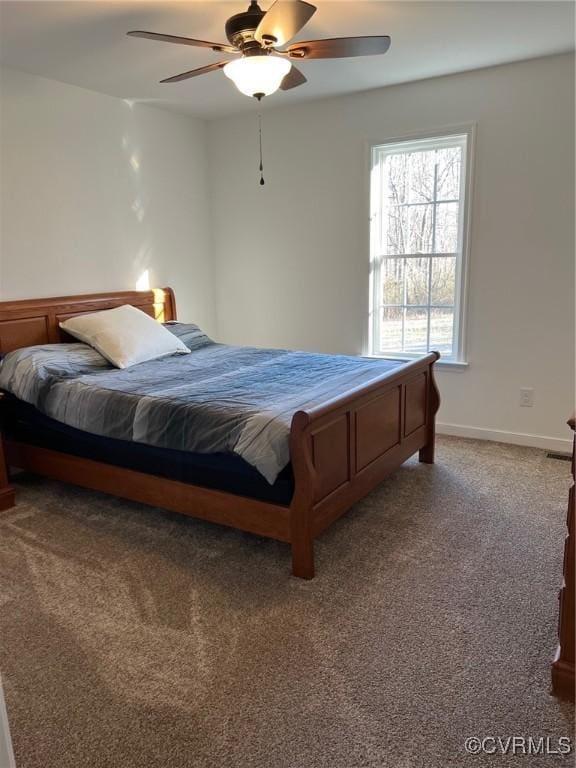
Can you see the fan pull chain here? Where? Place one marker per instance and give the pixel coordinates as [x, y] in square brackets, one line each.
[262, 182]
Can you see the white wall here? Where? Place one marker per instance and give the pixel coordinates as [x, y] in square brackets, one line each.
[292, 257]
[95, 191]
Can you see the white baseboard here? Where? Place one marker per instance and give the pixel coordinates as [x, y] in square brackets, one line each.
[500, 436]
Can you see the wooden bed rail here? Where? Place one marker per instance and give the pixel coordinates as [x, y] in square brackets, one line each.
[342, 449]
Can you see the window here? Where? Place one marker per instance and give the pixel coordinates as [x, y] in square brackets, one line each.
[417, 240]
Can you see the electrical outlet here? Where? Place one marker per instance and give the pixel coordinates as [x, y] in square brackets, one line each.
[526, 397]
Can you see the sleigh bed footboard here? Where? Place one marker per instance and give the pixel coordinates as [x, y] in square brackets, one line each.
[343, 449]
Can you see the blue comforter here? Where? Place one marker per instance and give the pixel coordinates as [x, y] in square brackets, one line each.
[217, 399]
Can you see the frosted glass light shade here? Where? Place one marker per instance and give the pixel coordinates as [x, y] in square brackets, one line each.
[255, 75]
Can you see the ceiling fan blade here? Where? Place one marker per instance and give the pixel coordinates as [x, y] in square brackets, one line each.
[183, 41]
[293, 79]
[195, 72]
[283, 21]
[340, 47]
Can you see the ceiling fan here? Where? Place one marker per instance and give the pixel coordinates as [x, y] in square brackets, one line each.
[259, 36]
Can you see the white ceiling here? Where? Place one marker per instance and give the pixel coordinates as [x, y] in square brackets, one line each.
[84, 43]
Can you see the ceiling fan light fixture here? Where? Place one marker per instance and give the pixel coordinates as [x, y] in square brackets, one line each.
[257, 75]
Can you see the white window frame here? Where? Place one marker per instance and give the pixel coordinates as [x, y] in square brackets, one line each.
[458, 359]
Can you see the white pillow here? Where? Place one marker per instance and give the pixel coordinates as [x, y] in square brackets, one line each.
[124, 335]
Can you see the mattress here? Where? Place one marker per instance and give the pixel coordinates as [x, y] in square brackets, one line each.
[226, 472]
[217, 400]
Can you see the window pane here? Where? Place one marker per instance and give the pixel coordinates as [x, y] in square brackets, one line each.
[421, 177]
[420, 221]
[392, 273]
[409, 229]
[391, 329]
[446, 228]
[396, 178]
[398, 231]
[443, 280]
[415, 330]
[417, 281]
[448, 183]
[441, 330]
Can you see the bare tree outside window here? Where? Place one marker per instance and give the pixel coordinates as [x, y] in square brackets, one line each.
[416, 243]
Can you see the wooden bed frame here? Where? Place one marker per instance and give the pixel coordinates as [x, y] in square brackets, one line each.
[340, 450]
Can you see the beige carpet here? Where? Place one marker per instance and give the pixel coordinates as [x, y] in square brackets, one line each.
[134, 638]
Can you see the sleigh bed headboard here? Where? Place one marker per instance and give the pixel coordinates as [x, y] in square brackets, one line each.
[26, 322]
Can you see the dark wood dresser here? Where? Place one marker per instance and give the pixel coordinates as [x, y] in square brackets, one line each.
[563, 665]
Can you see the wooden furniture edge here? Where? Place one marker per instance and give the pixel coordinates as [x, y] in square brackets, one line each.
[261, 518]
[563, 666]
[340, 450]
[80, 301]
[7, 498]
[563, 681]
[7, 494]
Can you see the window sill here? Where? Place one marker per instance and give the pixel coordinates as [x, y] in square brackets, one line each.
[442, 365]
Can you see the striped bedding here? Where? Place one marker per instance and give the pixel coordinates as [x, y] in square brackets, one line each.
[218, 399]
